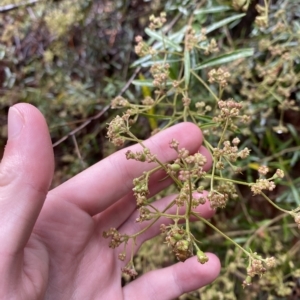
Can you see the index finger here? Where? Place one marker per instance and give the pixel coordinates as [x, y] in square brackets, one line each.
[98, 187]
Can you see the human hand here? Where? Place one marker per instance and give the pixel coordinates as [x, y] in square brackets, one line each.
[51, 244]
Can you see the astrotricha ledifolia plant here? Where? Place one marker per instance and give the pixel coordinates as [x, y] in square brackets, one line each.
[218, 117]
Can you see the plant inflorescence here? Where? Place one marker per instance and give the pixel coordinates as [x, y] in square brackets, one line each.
[178, 68]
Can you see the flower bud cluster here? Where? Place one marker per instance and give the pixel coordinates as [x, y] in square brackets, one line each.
[212, 47]
[262, 184]
[183, 195]
[230, 152]
[186, 101]
[227, 188]
[116, 238]
[145, 215]
[174, 144]
[262, 19]
[122, 256]
[192, 40]
[240, 4]
[263, 170]
[278, 174]
[148, 101]
[182, 154]
[219, 197]
[187, 166]
[202, 107]
[178, 239]
[157, 22]
[258, 266]
[117, 127]
[270, 76]
[142, 48]
[197, 200]
[130, 270]
[228, 110]
[142, 156]
[141, 189]
[219, 76]
[119, 102]
[196, 160]
[160, 73]
[270, 262]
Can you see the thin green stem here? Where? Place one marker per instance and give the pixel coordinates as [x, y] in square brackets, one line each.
[208, 176]
[154, 221]
[275, 205]
[157, 160]
[189, 209]
[205, 85]
[214, 161]
[221, 233]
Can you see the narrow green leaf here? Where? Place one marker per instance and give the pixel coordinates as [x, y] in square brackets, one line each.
[177, 37]
[295, 194]
[162, 38]
[206, 119]
[207, 125]
[158, 117]
[225, 58]
[241, 240]
[161, 61]
[187, 68]
[147, 82]
[294, 159]
[221, 23]
[140, 61]
[294, 133]
[212, 10]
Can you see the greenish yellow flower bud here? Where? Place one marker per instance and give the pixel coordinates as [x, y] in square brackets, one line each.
[182, 245]
[175, 167]
[177, 236]
[201, 256]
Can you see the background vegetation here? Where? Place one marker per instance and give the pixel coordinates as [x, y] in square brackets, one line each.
[71, 58]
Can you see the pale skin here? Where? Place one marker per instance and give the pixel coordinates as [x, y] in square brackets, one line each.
[51, 244]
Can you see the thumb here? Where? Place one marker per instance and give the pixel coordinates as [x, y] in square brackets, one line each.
[26, 172]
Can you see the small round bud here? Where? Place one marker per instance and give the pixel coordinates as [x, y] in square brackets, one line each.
[171, 241]
[175, 167]
[279, 174]
[247, 281]
[177, 236]
[182, 245]
[202, 257]
[122, 256]
[163, 228]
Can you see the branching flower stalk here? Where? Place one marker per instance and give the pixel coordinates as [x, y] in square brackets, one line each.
[185, 173]
[221, 120]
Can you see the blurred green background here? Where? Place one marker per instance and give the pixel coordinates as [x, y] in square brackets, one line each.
[71, 58]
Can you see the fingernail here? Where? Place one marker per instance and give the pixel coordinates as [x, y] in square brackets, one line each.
[15, 123]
